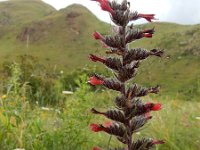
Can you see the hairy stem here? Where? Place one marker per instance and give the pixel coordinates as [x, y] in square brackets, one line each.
[129, 133]
[129, 136]
[124, 36]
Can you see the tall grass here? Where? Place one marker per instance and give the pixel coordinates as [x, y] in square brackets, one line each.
[64, 125]
[66, 128]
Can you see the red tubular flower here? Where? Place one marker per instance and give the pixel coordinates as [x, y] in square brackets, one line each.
[104, 45]
[156, 107]
[105, 5]
[148, 17]
[96, 148]
[95, 58]
[152, 107]
[158, 142]
[97, 36]
[95, 81]
[107, 124]
[97, 128]
[147, 35]
[151, 31]
[148, 116]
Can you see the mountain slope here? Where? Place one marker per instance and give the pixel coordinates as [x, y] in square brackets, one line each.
[15, 12]
[56, 38]
[179, 72]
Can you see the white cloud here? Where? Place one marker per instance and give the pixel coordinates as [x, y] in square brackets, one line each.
[144, 6]
[91, 5]
[184, 11]
[179, 11]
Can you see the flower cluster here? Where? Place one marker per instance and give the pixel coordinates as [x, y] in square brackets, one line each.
[105, 6]
[131, 112]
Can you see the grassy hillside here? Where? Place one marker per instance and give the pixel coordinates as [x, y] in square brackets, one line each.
[63, 38]
[180, 69]
[16, 12]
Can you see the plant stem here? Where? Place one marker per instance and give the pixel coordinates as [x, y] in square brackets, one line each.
[129, 136]
[128, 128]
[124, 36]
[109, 142]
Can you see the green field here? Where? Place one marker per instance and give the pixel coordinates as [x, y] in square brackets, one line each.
[44, 52]
[65, 126]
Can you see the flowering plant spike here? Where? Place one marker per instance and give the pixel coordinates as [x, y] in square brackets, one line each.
[131, 113]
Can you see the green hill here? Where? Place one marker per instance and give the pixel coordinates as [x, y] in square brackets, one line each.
[16, 12]
[63, 38]
[179, 71]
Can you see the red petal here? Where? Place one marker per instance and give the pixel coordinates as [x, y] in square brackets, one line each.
[95, 127]
[107, 123]
[156, 107]
[148, 17]
[95, 81]
[147, 35]
[96, 148]
[106, 7]
[158, 142]
[95, 58]
[97, 36]
[148, 116]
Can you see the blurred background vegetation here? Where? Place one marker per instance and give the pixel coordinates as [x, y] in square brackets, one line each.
[44, 52]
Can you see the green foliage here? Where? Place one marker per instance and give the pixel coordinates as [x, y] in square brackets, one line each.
[192, 91]
[45, 128]
[70, 80]
[32, 80]
[25, 124]
[177, 122]
[29, 78]
[66, 126]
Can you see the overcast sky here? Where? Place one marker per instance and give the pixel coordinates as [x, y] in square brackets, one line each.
[179, 11]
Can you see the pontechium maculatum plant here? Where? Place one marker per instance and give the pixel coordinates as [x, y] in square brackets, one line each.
[130, 113]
